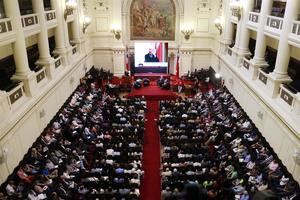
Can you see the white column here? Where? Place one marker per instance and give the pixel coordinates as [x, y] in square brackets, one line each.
[284, 49]
[76, 26]
[260, 48]
[61, 42]
[43, 45]
[228, 29]
[243, 45]
[45, 58]
[19, 47]
[23, 72]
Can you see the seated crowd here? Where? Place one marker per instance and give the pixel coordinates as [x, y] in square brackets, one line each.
[92, 149]
[164, 83]
[209, 142]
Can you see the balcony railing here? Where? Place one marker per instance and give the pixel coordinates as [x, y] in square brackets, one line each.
[274, 22]
[5, 25]
[246, 63]
[263, 76]
[50, 15]
[294, 37]
[287, 95]
[15, 94]
[253, 18]
[229, 51]
[74, 48]
[29, 20]
[57, 61]
[40, 75]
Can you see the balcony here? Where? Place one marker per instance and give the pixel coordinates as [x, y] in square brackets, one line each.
[246, 63]
[287, 95]
[51, 18]
[30, 24]
[262, 76]
[74, 48]
[253, 20]
[274, 26]
[15, 94]
[294, 37]
[6, 31]
[40, 75]
[235, 16]
[57, 61]
[229, 51]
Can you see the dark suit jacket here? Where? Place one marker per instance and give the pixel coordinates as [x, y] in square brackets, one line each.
[151, 58]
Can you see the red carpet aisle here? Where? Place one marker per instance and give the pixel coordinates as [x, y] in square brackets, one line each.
[151, 186]
[151, 155]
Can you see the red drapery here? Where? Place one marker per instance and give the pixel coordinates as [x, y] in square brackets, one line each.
[159, 51]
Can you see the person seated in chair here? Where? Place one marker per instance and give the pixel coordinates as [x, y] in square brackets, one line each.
[137, 84]
[160, 81]
[166, 85]
[146, 82]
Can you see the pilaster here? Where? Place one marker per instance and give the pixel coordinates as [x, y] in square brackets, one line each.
[186, 56]
[118, 61]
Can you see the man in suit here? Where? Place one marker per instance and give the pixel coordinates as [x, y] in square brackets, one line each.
[150, 57]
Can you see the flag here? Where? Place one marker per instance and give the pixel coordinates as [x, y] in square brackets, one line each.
[159, 51]
[127, 60]
[177, 65]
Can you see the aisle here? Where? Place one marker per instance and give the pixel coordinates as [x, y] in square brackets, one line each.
[150, 189]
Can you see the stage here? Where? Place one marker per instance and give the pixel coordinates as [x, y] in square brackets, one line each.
[149, 69]
[151, 76]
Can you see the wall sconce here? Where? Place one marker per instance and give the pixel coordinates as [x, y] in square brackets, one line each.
[187, 33]
[70, 7]
[218, 25]
[236, 9]
[86, 22]
[117, 33]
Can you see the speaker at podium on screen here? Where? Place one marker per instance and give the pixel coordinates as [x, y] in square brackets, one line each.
[151, 56]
